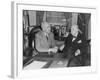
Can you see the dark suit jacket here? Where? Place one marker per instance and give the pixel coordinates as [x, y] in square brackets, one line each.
[72, 46]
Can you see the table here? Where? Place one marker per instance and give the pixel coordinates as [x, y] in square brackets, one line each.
[55, 61]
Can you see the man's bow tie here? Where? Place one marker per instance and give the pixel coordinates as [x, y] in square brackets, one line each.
[74, 37]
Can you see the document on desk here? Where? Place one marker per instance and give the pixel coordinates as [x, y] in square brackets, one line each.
[59, 64]
[35, 65]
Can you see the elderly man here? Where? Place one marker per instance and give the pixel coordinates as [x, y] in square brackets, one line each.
[45, 39]
[75, 46]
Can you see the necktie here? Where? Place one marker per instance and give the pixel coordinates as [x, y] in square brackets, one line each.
[47, 37]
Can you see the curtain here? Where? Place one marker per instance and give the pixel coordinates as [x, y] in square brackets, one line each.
[39, 17]
[68, 16]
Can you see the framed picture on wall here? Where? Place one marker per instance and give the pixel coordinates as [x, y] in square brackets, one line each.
[34, 51]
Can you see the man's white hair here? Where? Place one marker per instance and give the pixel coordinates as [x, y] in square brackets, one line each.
[44, 23]
[76, 27]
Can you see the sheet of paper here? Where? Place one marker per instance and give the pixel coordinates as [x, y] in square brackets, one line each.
[59, 64]
[35, 65]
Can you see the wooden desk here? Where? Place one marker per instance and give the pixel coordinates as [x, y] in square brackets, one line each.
[51, 62]
[57, 62]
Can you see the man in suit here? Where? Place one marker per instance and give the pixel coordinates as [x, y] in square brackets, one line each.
[75, 47]
[45, 39]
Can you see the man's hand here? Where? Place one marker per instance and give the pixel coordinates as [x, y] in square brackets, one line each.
[77, 52]
[54, 50]
[62, 47]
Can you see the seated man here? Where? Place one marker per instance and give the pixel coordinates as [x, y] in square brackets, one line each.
[45, 39]
[75, 46]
